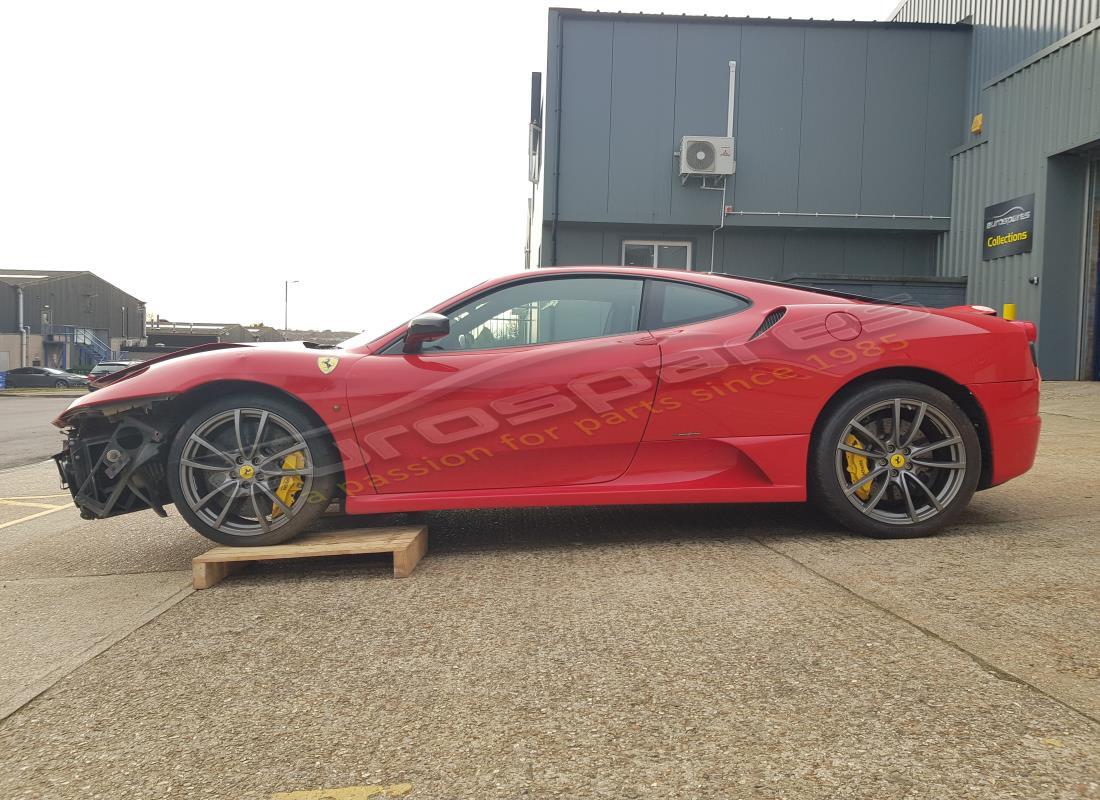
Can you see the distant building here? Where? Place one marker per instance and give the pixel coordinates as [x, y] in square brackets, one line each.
[66, 319]
[164, 334]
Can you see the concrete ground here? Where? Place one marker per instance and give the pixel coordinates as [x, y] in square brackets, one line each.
[696, 652]
[26, 435]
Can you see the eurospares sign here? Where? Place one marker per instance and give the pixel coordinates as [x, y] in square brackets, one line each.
[1008, 228]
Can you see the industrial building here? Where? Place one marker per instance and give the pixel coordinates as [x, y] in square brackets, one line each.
[65, 319]
[949, 154]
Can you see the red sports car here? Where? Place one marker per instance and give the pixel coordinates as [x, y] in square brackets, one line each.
[576, 386]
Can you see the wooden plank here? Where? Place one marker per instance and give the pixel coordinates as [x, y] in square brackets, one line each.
[405, 561]
[407, 543]
[342, 543]
[207, 574]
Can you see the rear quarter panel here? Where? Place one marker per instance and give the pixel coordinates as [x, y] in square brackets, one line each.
[720, 382]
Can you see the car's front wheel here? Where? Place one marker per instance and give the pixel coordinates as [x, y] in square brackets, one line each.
[61, 384]
[895, 459]
[251, 470]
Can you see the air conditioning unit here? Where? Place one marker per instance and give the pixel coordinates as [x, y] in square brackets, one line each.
[706, 155]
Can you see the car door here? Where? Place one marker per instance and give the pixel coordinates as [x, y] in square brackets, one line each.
[541, 382]
[17, 378]
[37, 377]
[718, 379]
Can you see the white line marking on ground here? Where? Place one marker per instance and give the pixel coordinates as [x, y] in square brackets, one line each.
[28, 504]
[35, 496]
[53, 510]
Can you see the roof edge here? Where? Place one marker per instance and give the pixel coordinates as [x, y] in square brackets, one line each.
[703, 18]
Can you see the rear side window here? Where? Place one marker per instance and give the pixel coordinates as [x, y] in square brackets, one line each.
[669, 304]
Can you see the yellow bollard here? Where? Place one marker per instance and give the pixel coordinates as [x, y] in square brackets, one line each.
[1009, 311]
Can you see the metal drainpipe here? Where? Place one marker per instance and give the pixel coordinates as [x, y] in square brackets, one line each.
[725, 180]
[23, 330]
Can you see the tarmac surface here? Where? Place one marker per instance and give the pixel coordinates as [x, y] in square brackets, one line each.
[696, 652]
[26, 433]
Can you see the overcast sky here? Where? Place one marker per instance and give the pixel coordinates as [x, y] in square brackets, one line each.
[197, 154]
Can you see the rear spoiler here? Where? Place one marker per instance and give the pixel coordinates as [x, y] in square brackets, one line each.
[1028, 328]
[984, 310]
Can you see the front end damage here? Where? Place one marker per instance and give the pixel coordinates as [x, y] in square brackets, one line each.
[114, 460]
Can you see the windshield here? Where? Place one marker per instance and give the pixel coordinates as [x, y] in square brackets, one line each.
[369, 335]
[389, 324]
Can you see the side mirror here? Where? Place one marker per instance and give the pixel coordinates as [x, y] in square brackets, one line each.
[425, 328]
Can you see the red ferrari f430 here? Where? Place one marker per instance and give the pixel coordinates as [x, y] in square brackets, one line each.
[575, 386]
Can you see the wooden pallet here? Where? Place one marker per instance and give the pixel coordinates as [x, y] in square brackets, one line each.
[407, 543]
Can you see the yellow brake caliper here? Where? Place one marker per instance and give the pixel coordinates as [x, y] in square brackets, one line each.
[857, 468]
[290, 485]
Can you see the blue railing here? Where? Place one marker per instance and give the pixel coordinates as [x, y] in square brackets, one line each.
[88, 349]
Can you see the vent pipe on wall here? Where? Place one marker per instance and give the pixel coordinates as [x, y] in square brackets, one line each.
[729, 133]
[23, 329]
[729, 105]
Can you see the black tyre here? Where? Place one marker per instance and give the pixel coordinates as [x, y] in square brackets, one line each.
[250, 470]
[61, 384]
[895, 460]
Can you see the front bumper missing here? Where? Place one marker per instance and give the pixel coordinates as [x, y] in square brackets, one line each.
[114, 466]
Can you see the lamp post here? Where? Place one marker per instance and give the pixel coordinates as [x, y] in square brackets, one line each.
[286, 307]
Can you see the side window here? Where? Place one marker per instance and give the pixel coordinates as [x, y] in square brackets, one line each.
[672, 304]
[544, 311]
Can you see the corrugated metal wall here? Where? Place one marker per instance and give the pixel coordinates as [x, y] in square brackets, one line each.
[762, 252]
[831, 117]
[1049, 108]
[83, 300]
[1005, 33]
[1035, 76]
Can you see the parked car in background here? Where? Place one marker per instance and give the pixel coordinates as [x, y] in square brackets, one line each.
[106, 368]
[42, 378]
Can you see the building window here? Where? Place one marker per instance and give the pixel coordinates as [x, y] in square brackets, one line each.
[654, 253]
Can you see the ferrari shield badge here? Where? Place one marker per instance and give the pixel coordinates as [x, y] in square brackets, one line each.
[327, 364]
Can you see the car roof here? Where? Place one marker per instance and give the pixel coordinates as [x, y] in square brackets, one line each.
[757, 289]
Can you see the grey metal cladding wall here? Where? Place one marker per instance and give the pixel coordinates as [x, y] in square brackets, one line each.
[643, 92]
[1048, 107]
[9, 322]
[832, 118]
[834, 79]
[585, 121]
[766, 253]
[1005, 33]
[781, 253]
[769, 118]
[84, 300]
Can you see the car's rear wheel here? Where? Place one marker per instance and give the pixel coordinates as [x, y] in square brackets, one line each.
[251, 470]
[895, 459]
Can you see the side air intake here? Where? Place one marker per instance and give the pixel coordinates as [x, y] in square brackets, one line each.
[773, 317]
